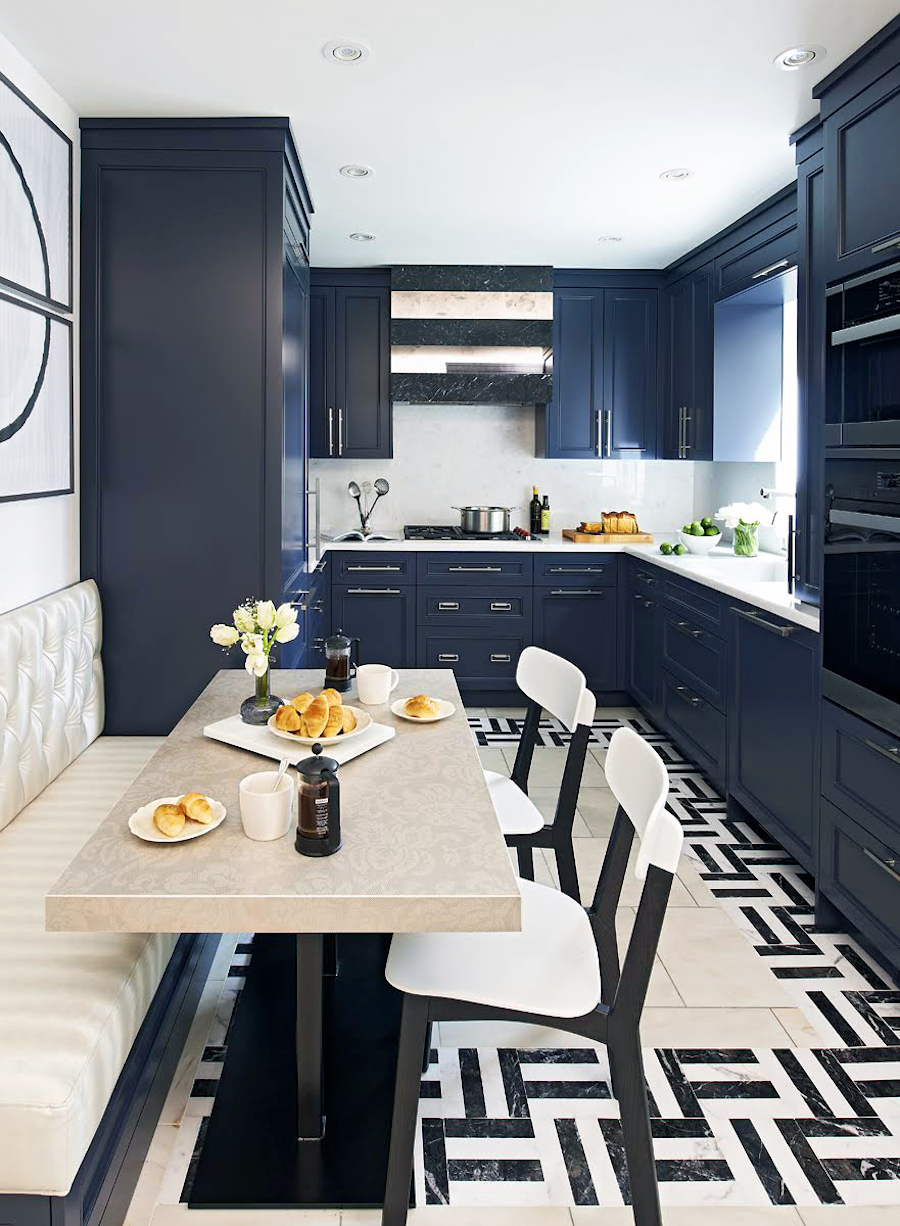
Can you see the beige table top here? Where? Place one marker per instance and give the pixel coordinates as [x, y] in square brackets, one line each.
[422, 850]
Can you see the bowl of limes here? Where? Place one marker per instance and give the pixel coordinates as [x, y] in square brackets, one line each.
[700, 536]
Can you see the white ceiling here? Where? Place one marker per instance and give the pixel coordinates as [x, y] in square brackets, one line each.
[500, 131]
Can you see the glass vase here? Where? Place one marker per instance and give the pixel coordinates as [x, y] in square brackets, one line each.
[259, 707]
[746, 540]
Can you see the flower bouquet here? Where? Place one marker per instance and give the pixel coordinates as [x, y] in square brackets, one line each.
[257, 625]
[744, 519]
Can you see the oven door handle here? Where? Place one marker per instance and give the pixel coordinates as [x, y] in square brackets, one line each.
[861, 332]
[865, 519]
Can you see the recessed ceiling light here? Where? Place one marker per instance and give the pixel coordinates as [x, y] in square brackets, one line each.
[345, 51]
[355, 171]
[798, 57]
[360, 236]
[676, 175]
[610, 238]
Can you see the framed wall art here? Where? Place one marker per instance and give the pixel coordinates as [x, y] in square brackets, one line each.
[35, 201]
[37, 457]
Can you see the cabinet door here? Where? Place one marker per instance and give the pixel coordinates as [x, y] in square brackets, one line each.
[629, 372]
[699, 425]
[680, 381]
[643, 652]
[811, 345]
[382, 618]
[773, 723]
[362, 355]
[580, 625]
[322, 442]
[572, 429]
[295, 349]
[863, 180]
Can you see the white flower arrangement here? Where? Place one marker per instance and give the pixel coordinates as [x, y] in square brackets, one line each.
[750, 514]
[257, 626]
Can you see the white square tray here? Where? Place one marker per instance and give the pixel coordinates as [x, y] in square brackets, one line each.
[258, 739]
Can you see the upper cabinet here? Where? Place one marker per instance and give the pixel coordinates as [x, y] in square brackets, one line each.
[687, 421]
[350, 360]
[604, 401]
[760, 257]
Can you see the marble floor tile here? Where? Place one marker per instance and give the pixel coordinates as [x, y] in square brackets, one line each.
[695, 885]
[711, 962]
[181, 1215]
[597, 806]
[661, 992]
[505, 712]
[198, 1037]
[546, 800]
[492, 759]
[476, 713]
[476, 1215]
[713, 1027]
[146, 1193]
[547, 767]
[700, 1215]
[800, 1030]
[856, 1215]
[224, 955]
[589, 855]
[508, 1034]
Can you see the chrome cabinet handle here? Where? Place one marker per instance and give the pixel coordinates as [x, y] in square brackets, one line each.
[891, 752]
[648, 604]
[758, 620]
[577, 591]
[302, 605]
[576, 570]
[687, 445]
[685, 694]
[500, 606]
[500, 659]
[861, 332]
[600, 433]
[764, 272]
[891, 242]
[681, 432]
[314, 493]
[888, 865]
[340, 432]
[373, 591]
[645, 579]
[449, 658]
[474, 569]
[331, 431]
[448, 604]
[688, 629]
[374, 568]
[609, 432]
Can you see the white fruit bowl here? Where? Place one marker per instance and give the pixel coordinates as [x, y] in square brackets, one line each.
[698, 544]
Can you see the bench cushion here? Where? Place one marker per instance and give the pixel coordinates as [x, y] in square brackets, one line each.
[72, 1003]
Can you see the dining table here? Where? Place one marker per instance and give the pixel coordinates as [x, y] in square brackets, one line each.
[301, 1114]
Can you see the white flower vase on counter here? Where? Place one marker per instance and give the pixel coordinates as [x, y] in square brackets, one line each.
[744, 519]
[746, 540]
[257, 625]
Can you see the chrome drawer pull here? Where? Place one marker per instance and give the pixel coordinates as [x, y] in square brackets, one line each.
[474, 569]
[500, 606]
[373, 591]
[646, 579]
[448, 604]
[576, 591]
[891, 242]
[764, 272]
[691, 699]
[648, 604]
[688, 629]
[887, 865]
[757, 620]
[501, 659]
[448, 658]
[891, 752]
[374, 568]
[576, 570]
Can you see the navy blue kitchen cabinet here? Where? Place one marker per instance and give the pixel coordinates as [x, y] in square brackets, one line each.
[482, 660]
[382, 616]
[350, 365]
[579, 623]
[687, 419]
[644, 680]
[699, 728]
[763, 255]
[572, 418]
[860, 768]
[773, 726]
[630, 407]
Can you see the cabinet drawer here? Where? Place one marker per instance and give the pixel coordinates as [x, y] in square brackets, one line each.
[566, 570]
[696, 724]
[497, 569]
[378, 565]
[648, 580]
[697, 656]
[480, 661]
[703, 603]
[752, 261]
[860, 767]
[492, 608]
[861, 875]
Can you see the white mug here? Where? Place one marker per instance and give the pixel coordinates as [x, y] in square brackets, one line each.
[266, 814]
[375, 683]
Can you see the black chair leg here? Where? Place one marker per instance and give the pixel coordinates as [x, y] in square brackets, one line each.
[526, 861]
[413, 1031]
[565, 867]
[631, 1091]
[426, 1055]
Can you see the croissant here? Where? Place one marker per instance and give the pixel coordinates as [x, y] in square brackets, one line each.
[421, 706]
[335, 724]
[332, 697]
[349, 719]
[168, 820]
[196, 807]
[301, 702]
[288, 719]
[316, 717]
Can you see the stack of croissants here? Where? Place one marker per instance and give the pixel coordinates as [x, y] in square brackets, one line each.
[170, 820]
[623, 523]
[324, 715]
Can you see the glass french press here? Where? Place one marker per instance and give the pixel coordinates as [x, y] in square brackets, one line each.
[340, 667]
[318, 805]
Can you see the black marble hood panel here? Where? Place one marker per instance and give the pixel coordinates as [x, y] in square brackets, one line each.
[470, 389]
[473, 278]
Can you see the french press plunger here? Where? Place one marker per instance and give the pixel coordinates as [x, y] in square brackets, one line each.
[318, 806]
[340, 667]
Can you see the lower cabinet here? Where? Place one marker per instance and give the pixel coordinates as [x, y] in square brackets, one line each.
[696, 725]
[579, 624]
[644, 679]
[480, 659]
[773, 726]
[383, 618]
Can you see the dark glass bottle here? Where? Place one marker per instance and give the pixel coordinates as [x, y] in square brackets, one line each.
[535, 518]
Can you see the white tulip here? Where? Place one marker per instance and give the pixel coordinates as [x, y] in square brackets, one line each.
[256, 663]
[223, 636]
[287, 633]
[265, 615]
[252, 644]
[244, 619]
[284, 615]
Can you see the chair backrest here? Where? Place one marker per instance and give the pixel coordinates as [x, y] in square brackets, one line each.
[639, 780]
[555, 684]
[51, 691]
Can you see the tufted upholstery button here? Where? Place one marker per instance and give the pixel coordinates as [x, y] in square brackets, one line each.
[51, 691]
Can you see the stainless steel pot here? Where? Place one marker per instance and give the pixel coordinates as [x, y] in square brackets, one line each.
[484, 519]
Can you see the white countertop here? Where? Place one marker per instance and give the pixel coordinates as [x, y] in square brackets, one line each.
[760, 581]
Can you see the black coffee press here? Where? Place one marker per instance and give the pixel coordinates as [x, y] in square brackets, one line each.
[340, 667]
[318, 806]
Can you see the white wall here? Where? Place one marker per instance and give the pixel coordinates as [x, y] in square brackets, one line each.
[39, 536]
[464, 454]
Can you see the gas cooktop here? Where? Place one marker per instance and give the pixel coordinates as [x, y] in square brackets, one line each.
[448, 532]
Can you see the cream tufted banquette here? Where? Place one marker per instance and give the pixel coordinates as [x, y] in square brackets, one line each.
[70, 1004]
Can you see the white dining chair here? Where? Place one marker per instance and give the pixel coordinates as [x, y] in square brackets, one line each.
[556, 685]
[562, 970]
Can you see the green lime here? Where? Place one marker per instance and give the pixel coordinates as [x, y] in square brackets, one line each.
[697, 530]
[711, 530]
[665, 548]
[679, 550]
[687, 528]
[707, 522]
[695, 525]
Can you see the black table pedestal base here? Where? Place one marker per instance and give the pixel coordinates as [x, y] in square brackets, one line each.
[251, 1157]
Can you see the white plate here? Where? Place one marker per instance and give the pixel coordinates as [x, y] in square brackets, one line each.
[363, 721]
[141, 822]
[445, 709]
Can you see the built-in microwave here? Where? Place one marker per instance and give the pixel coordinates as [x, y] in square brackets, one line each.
[862, 402]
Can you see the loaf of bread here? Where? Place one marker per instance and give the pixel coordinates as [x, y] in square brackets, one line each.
[623, 523]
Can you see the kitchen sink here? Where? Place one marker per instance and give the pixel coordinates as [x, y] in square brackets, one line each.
[764, 568]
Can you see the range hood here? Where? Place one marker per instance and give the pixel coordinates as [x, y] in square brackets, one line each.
[471, 334]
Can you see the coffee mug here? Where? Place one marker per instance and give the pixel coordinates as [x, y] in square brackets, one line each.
[266, 814]
[375, 683]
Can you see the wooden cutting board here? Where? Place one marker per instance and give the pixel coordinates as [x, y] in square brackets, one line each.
[607, 538]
